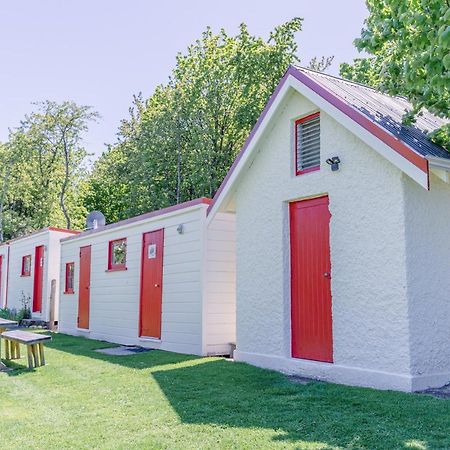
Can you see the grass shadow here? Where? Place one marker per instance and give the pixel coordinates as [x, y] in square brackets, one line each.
[81, 346]
[17, 368]
[230, 394]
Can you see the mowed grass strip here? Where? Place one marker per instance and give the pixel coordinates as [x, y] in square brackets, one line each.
[84, 399]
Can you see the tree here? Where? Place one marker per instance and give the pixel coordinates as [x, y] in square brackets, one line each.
[43, 170]
[52, 136]
[180, 143]
[409, 44]
[9, 162]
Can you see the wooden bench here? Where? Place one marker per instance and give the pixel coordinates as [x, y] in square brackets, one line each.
[6, 325]
[33, 341]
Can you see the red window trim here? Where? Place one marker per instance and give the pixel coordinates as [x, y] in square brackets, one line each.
[66, 289]
[23, 273]
[301, 120]
[115, 267]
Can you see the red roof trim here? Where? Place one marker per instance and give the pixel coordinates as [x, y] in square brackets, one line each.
[303, 120]
[42, 230]
[159, 212]
[64, 230]
[396, 144]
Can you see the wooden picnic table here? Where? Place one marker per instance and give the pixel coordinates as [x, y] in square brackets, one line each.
[34, 343]
[5, 325]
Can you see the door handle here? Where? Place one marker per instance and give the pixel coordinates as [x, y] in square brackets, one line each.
[156, 285]
[327, 274]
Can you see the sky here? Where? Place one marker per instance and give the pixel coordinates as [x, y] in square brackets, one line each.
[101, 52]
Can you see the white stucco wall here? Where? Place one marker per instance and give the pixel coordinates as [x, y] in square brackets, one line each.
[428, 268]
[115, 296]
[370, 311]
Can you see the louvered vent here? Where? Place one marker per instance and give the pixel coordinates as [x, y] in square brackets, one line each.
[308, 143]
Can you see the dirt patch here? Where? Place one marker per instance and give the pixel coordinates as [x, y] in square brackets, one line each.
[442, 392]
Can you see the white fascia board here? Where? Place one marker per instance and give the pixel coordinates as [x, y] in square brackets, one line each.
[439, 163]
[440, 167]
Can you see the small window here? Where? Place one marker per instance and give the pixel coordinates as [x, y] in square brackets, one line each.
[70, 272]
[26, 266]
[117, 254]
[307, 144]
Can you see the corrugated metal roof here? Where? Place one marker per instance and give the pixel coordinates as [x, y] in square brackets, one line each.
[386, 111]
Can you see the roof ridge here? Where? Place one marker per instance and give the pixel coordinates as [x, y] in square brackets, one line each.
[424, 114]
[357, 83]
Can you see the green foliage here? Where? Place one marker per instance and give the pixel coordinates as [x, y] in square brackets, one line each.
[409, 44]
[14, 314]
[179, 143]
[17, 315]
[43, 168]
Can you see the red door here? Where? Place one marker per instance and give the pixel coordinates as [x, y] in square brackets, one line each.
[84, 287]
[311, 319]
[151, 284]
[38, 278]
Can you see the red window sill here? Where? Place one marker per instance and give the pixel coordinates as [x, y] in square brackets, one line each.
[69, 292]
[116, 269]
[311, 169]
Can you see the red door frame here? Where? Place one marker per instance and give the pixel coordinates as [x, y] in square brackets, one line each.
[150, 302]
[84, 288]
[38, 280]
[311, 306]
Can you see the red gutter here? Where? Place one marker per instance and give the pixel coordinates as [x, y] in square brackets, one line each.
[396, 144]
[159, 212]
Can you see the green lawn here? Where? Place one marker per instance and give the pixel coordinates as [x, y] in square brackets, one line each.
[83, 399]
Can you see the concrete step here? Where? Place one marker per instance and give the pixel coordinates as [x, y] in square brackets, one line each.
[33, 323]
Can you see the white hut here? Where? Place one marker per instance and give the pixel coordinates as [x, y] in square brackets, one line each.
[159, 280]
[343, 249]
[28, 265]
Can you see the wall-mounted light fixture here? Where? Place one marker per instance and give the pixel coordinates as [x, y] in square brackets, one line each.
[334, 163]
[180, 228]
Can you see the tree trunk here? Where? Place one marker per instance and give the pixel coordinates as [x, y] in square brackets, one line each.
[5, 185]
[65, 184]
[178, 167]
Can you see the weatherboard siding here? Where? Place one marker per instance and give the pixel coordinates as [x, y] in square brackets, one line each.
[22, 286]
[115, 296]
[220, 284]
